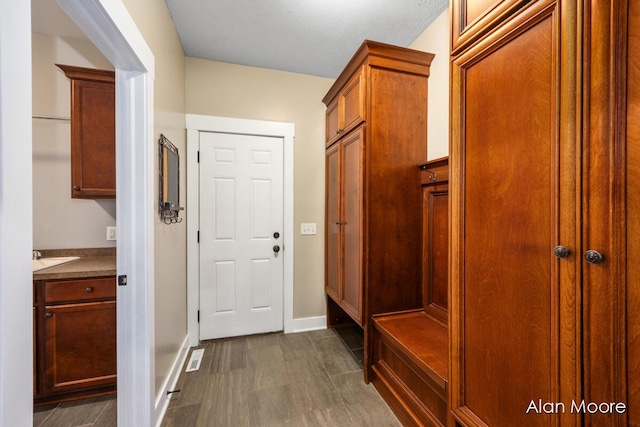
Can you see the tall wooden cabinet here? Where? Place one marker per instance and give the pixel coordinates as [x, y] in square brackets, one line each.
[376, 136]
[545, 296]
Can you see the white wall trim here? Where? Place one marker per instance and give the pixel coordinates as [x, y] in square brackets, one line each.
[306, 324]
[163, 399]
[109, 26]
[195, 124]
[16, 291]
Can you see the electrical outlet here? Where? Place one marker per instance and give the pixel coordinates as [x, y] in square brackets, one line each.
[308, 228]
[111, 233]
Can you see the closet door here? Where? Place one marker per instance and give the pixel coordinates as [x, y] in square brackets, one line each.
[333, 251]
[611, 202]
[513, 202]
[632, 290]
[352, 223]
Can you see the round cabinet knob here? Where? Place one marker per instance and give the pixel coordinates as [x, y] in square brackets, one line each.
[276, 249]
[593, 257]
[48, 315]
[88, 290]
[76, 188]
[561, 252]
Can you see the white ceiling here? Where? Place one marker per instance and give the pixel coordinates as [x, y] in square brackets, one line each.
[316, 37]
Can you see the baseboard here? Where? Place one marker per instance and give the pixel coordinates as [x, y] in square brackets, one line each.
[162, 399]
[309, 324]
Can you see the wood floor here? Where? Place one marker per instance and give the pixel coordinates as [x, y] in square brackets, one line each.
[303, 379]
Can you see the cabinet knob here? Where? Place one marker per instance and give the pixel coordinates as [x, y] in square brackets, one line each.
[561, 252]
[593, 257]
[48, 315]
[76, 188]
[89, 290]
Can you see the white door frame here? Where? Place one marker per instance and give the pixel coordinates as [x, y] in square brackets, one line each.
[195, 125]
[109, 26]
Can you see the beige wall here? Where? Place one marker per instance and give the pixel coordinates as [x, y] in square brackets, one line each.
[154, 22]
[435, 39]
[58, 220]
[228, 90]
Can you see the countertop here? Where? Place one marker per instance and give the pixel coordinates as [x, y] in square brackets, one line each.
[92, 263]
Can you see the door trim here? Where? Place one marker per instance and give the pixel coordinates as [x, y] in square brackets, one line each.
[200, 123]
[112, 30]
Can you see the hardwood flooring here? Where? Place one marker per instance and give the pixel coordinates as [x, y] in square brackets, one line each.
[95, 412]
[303, 379]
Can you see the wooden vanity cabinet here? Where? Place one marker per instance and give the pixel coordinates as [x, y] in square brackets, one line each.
[75, 338]
[93, 143]
[376, 136]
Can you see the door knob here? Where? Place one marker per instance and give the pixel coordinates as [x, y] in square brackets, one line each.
[593, 257]
[276, 249]
[561, 252]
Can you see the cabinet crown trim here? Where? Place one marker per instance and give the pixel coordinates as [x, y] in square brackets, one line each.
[374, 53]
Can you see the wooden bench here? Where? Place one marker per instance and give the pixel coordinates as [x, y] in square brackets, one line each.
[410, 366]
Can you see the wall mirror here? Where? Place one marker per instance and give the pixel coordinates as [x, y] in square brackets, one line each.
[169, 181]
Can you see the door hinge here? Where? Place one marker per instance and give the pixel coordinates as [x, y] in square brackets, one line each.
[198, 316]
[198, 236]
[198, 156]
[122, 280]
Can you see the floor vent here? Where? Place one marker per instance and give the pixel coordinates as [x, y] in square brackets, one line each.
[194, 361]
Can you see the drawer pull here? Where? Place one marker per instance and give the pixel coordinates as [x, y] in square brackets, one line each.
[89, 290]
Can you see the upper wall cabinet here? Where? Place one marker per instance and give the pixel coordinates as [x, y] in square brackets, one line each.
[93, 148]
[347, 110]
[472, 18]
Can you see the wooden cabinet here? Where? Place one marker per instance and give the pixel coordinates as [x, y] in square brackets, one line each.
[75, 337]
[410, 348]
[345, 205]
[376, 136]
[347, 109]
[435, 238]
[540, 184]
[93, 148]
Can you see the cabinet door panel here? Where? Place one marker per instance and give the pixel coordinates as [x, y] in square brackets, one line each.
[333, 227]
[436, 251]
[93, 139]
[353, 101]
[80, 346]
[353, 149]
[472, 18]
[333, 122]
[505, 280]
[633, 224]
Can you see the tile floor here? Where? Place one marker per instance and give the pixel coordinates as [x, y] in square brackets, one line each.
[303, 379]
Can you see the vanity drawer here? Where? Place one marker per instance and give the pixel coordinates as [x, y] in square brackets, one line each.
[80, 289]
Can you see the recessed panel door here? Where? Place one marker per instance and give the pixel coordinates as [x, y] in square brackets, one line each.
[241, 242]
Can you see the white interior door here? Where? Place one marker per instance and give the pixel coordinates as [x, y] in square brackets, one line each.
[241, 227]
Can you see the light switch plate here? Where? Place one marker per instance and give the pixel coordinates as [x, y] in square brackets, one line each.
[111, 233]
[308, 228]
